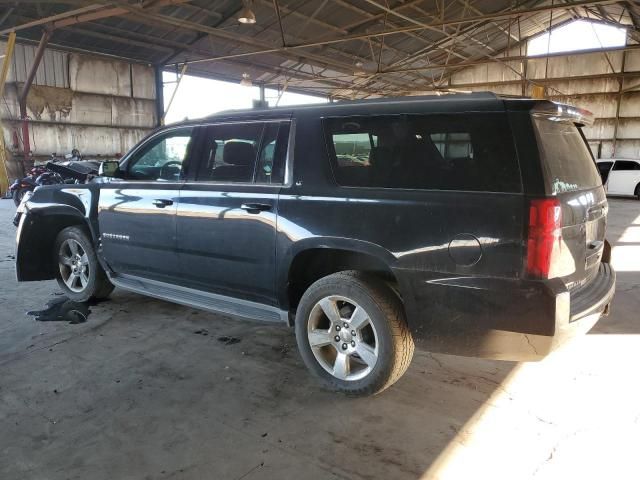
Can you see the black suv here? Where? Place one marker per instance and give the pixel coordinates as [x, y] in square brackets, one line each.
[468, 224]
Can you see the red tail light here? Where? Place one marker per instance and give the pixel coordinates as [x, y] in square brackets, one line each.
[545, 235]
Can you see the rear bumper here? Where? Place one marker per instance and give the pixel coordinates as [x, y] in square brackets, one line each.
[594, 297]
[516, 320]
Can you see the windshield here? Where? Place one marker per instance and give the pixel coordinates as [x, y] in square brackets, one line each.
[567, 164]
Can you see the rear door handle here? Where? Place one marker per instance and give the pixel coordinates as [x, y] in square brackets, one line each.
[162, 202]
[255, 207]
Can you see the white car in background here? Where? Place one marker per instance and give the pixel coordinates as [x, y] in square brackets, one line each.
[620, 176]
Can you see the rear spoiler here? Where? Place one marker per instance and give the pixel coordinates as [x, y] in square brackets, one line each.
[562, 112]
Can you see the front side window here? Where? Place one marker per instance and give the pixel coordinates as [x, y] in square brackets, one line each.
[161, 159]
[472, 152]
[603, 168]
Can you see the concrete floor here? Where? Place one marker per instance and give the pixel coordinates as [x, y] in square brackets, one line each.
[135, 393]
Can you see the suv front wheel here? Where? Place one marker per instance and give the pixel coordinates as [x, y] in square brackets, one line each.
[79, 273]
[352, 333]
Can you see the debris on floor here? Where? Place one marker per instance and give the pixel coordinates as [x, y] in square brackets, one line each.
[228, 340]
[62, 309]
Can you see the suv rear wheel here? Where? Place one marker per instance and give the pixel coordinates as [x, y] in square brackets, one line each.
[352, 333]
[79, 274]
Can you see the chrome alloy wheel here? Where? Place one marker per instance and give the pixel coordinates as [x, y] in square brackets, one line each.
[342, 338]
[73, 263]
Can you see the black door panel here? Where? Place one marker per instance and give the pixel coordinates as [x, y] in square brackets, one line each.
[225, 247]
[138, 237]
[137, 213]
[226, 219]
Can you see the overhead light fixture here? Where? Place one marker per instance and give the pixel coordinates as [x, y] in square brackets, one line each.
[359, 71]
[246, 80]
[246, 14]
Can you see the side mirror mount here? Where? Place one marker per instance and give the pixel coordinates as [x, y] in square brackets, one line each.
[109, 168]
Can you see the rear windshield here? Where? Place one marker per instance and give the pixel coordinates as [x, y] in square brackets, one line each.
[472, 152]
[567, 164]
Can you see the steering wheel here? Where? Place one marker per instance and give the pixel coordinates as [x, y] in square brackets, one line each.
[163, 172]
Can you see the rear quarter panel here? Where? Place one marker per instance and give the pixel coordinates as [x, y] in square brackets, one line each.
[434, 241]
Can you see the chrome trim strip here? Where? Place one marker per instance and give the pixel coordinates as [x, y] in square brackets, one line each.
[193, 298]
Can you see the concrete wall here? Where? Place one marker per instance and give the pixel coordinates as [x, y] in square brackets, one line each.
[612, 93]
[98, 105]
[606, 84]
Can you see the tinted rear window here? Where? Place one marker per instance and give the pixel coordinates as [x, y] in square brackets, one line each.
[567, 164]
[471, 152]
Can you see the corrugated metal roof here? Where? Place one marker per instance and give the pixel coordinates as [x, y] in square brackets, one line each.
[331, 47]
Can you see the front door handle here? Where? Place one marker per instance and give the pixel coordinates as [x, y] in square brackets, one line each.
[162, 202]
[255, 207]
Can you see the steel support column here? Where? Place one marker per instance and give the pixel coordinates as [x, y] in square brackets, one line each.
[159, 94]
[614, 146]
[22, 99]
[179, 78]
[262, 103]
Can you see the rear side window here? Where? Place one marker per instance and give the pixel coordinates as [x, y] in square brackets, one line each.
[230, 153]
[567, 164]
[244, 153]
[441, 152]
[626, 165]
[271, 164]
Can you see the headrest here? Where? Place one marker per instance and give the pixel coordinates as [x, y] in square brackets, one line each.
[238, 153]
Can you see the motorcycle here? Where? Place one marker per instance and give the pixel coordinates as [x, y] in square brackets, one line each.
[27, 184]
[72, 169]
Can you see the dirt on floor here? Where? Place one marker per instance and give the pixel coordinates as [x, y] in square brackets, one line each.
[136, 388]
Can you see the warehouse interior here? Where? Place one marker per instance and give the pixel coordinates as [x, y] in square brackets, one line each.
[146, 389]
[99, 68]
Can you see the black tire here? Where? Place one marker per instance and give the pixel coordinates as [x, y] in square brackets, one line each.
[385, 313]
[17, 196]
[98, 286]
[637, 191]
